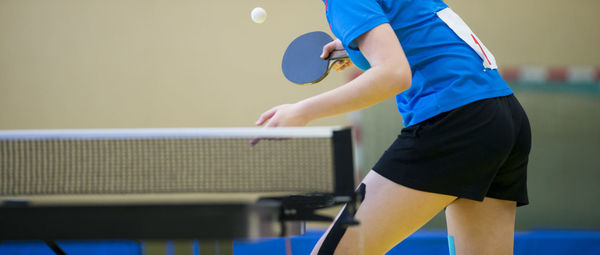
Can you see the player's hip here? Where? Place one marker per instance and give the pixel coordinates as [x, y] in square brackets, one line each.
[465, 151]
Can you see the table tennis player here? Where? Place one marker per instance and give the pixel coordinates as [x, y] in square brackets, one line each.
[465, 142]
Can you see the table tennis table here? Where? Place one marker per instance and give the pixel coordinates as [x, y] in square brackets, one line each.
[158, 184]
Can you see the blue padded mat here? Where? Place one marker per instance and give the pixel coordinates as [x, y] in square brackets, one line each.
[426, 242]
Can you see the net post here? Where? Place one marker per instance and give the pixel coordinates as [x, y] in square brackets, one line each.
[343, 162]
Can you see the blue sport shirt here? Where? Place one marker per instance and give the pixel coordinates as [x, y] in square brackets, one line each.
[450, 66]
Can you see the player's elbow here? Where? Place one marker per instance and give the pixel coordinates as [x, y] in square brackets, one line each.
[399, 77]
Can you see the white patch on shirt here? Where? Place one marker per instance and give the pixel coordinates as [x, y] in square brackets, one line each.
[464, 32]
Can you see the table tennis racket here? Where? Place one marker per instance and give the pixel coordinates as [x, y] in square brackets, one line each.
[302, 63]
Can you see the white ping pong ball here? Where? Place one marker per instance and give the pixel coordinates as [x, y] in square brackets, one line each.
[258, 15]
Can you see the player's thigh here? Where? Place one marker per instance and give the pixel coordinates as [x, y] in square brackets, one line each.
[482, 227]
[388, 214]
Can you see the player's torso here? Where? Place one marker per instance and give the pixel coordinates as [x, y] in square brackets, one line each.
[450, 65]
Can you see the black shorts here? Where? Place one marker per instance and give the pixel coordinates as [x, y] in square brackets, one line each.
[475, 151]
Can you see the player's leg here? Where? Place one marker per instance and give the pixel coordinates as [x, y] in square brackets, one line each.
[388, 214]
[482, 228]
[488, 227]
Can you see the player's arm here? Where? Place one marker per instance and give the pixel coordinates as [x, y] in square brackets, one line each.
[388, 76]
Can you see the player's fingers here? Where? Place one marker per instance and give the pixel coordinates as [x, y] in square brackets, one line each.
[254, 141]
[328, 48]
[266, 116]
[337, 65]
[270, 123]
[341, 65]
[345, 65]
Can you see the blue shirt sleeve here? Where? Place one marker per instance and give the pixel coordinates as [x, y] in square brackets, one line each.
[349, 19]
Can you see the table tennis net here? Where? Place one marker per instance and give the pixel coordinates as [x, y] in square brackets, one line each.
[164, 165]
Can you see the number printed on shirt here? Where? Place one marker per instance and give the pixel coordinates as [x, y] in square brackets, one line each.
[464, 32]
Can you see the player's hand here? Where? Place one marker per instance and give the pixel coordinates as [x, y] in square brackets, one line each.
[339, 65]
[285, 115]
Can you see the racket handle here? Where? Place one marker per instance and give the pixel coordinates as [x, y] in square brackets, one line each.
[338, 54]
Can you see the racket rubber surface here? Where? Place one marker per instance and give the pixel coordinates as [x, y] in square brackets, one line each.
[302, 63]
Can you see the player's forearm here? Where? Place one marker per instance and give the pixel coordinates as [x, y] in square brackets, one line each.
[374, 86]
